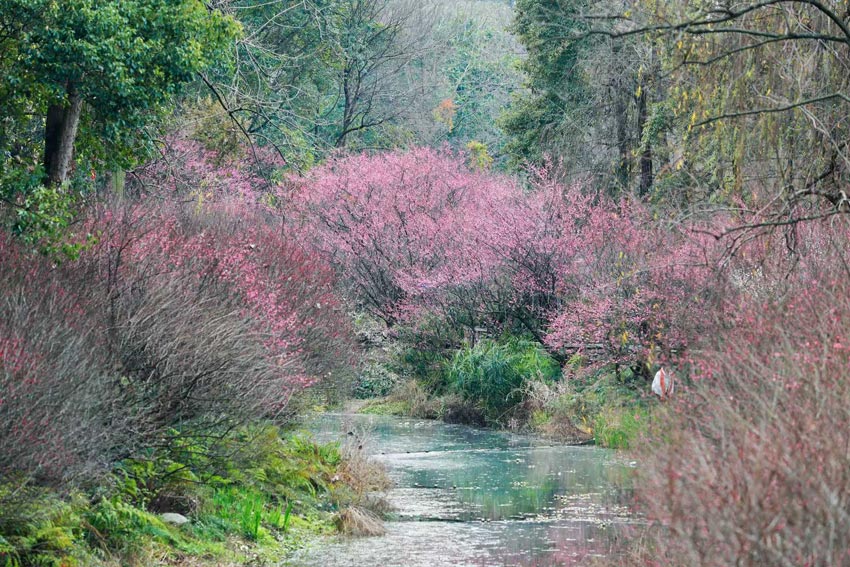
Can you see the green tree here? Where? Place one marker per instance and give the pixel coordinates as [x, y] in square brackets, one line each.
[283, 73]
[97, 71]
[558, 95]
[759, 105]
[316, 75]
[462, 75]
[755, 108]
[587, 98]
[481, 71]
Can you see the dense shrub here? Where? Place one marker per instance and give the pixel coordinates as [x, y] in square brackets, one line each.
[492, 375]
[56, 387]
[630, 288]
[598, 405]
[401, 226]
[375, 381]
[179, 315]
[264, 488]
[751, 465]
[213, 317]
[38, 528]
[421, 240]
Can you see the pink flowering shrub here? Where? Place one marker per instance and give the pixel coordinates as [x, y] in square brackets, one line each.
[53, 383]
[400, 227]
[750, 465]
[227, 216]
[416, 235]
[183, 313]
[633, 289]
[215, 314]
[188, 170]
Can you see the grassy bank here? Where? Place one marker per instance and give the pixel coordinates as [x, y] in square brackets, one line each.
[515, 384]
[259, 496]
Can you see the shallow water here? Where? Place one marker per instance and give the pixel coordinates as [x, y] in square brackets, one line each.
[466, 496]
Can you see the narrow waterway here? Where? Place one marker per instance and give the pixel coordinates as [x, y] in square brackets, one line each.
[469, 497]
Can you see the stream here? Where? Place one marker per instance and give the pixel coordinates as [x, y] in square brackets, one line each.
[472, 497]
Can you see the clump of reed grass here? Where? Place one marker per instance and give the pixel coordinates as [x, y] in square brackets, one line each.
[359, 522]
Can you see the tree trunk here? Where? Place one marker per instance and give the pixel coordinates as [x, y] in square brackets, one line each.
[619, 92]
[646, 175]
[60, 132]
[117, 180]
[348, 107]
[623, 151]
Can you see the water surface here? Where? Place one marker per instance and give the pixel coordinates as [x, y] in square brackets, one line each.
[478, 498]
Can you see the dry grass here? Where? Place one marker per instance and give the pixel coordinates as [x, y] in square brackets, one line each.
[363, 474]
[421, 404]
[360, 522]
[552, 400]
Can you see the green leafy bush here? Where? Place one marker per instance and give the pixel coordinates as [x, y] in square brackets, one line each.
[375, 381]
[294, 468]
[425, 350]
[240, 508]
[604, 406]
[492, 375]
[263, 487]
[44, 221]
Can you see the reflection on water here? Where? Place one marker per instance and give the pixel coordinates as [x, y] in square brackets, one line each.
[480, 498]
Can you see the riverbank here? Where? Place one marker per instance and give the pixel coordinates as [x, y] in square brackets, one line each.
[268, 493]
[272, 494]
[512, 383]
[606, 412]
